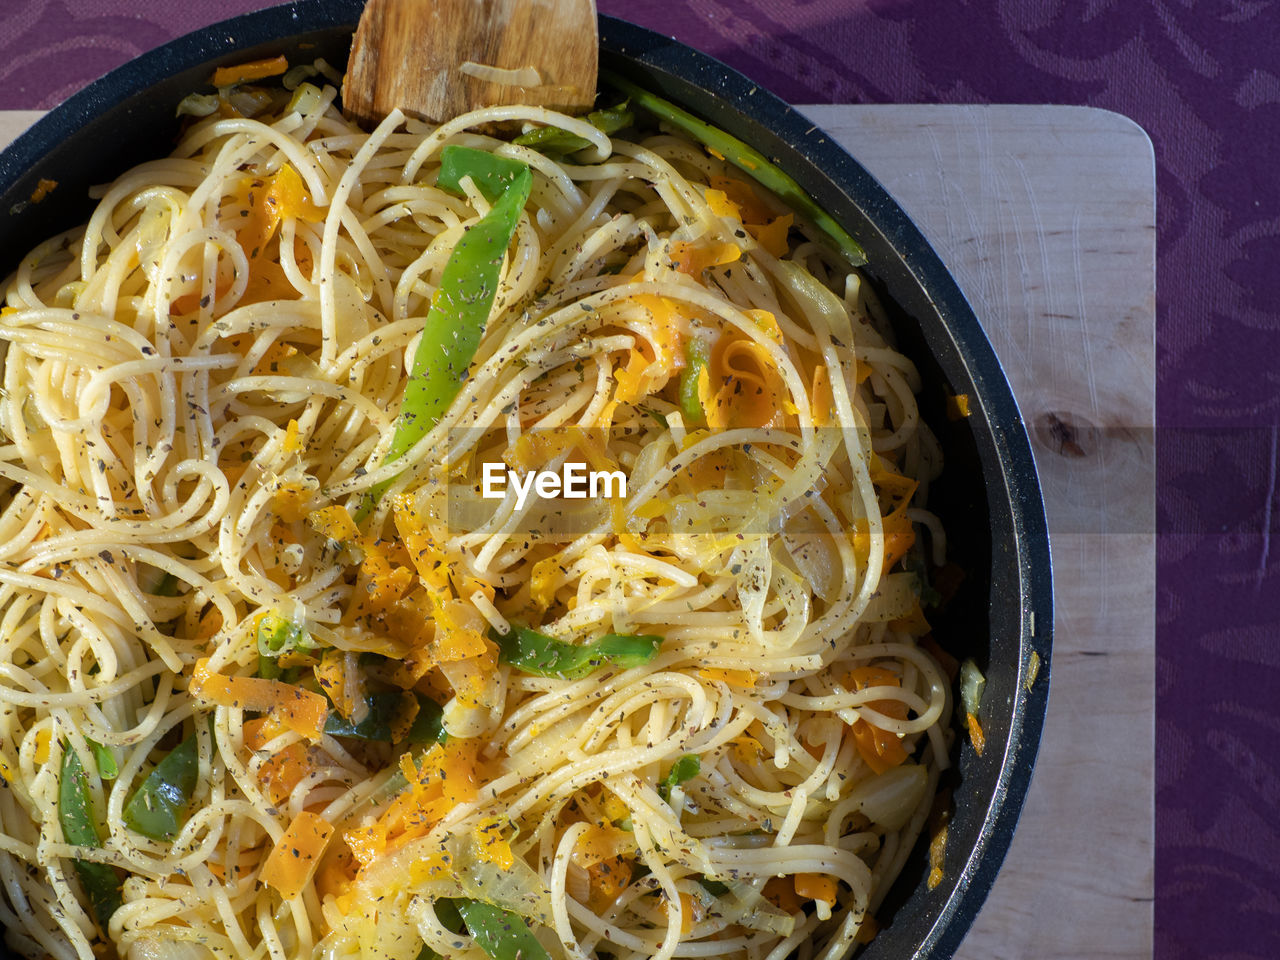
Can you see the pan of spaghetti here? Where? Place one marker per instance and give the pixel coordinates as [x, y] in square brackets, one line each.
[527, 536]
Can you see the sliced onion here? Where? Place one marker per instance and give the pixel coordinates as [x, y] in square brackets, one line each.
[296, 74]
[752, 565]
[305, 98]
[972, 684]
[503, 76]
[817, 560]
[198, 104]
[894, 598]
[744, 904]
[890, 798]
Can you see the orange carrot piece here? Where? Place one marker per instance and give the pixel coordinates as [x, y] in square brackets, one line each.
[294, 858]
[253, 70]
[976, 735]
[814, 886]
[301, 710]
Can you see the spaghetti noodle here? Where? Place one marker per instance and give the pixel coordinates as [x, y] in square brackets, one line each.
[270, 687]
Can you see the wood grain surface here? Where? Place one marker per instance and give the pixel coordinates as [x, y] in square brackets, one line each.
[1046, 217]
[407, 54]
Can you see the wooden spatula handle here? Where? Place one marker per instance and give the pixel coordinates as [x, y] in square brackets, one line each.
[410, 54]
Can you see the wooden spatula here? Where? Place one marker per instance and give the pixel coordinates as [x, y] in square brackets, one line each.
[435, 59]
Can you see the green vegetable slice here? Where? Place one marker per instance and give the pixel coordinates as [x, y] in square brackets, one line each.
[384, 705]
[697, 354]
[105, 759]
[684, 769]
[158, 807]
[972, 684]
[492, 175]
[747, 159]
[501, 934]
[558, 142]
[455, 323]
[545, 656]
[277, 636]
[75, 814]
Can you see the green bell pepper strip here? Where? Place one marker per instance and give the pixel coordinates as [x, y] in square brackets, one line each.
[455, 323]
[546, 656]
[697, 354]
[383, 706]
[501, 934]
[558, 142]
[713, 887]
[101, 881]
[105, 759]
[747, 159]
[279, 635]
[158, 807]
[491, 174]
[686, 768]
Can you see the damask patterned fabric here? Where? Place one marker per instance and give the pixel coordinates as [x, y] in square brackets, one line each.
[1203, 78]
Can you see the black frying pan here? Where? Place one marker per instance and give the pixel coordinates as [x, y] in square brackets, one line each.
[988, 499]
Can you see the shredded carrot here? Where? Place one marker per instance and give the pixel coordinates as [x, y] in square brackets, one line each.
[543, 580]
[336, 871]
[772, 235]
[44, 187]
[253, 70]
[747, 749]
[747, 203]
[867, 930]
[299, 709]
[609, 878]
[692, 259]
[294, 858]
[333, 522]
[331, 674]
[814, 886]
[820, 396]
[976, 735]
[449, 775]
[899, 537]
[210, 623]
[43, 738]
[781, 892]
[939, 817]
[283, 770]
[958, 406]
[721, 205]
[691, 912]
[746, 679]
[614, 807]
[379, 584]
[491, 845]
[741, 386]
[881, 749]
[600, 843]
[290, 501]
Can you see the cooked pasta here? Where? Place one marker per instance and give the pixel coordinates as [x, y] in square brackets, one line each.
[278, 680]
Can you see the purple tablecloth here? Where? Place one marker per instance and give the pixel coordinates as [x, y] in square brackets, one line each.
[1204, 80]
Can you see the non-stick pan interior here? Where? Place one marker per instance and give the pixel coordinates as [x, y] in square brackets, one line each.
[988, 498]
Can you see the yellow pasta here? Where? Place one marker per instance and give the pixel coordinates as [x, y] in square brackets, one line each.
[227, 616]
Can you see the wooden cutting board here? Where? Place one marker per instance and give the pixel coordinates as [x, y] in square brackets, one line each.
[1046, 217]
